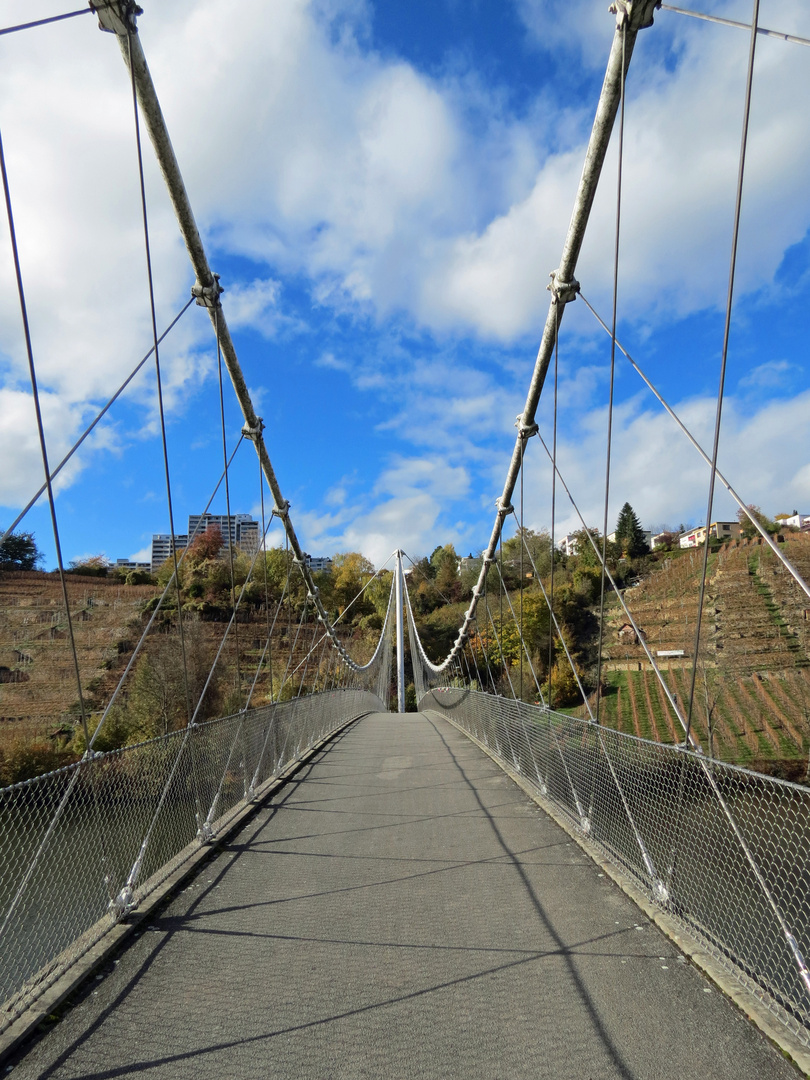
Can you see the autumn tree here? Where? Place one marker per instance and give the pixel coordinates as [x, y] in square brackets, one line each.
[749, 530]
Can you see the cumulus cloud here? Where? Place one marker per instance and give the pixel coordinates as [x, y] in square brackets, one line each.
[764, 457]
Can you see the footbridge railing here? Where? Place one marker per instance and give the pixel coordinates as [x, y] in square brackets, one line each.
[724, 851]
[81, 847]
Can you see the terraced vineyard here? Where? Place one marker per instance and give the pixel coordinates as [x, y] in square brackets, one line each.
[38, 699]
[752, 701]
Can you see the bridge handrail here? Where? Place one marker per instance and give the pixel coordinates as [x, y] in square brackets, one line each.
[702, 821]
[63, 876]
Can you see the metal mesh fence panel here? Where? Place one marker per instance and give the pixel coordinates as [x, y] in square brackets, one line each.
[81, 846]
[725, 851]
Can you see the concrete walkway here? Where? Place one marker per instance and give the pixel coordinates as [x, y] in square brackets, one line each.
[402, 910]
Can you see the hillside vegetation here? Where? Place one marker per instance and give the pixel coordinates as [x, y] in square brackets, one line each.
[40, 720]
[752, 701]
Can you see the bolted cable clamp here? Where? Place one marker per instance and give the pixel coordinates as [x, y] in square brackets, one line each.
[634, 14]
[207, 296]
[282, 511]
[117, 18]
[525, 431]
[253, 433]
[562, 292]
[504, 509]
[205, 834]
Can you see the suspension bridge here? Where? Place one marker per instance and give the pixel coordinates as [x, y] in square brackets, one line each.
[318, 885]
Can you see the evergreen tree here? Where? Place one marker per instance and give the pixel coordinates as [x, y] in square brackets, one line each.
[630, 534]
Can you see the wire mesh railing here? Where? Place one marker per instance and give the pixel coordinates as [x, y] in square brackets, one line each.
[725, 851]
[82, 846]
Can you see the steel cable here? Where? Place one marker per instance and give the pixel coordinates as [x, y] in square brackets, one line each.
[157, 376]
[724, 357]
[41, 433]
[99, 416]
[612, 374]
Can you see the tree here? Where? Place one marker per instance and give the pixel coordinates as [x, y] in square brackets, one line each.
[748, 529]
[350, 572]
[90, 566]
[630, 534]
[19, 552]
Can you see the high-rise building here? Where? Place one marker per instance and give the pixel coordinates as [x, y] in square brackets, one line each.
[162, 548]
[240, 530]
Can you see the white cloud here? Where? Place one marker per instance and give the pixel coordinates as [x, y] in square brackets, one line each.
[765, 457]
[20, 451]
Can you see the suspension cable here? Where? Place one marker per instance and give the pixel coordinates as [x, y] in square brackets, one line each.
[520, 629]
[231, 524]
[587, 533]
[612, 376]
[44, 22]
[148, 627]
[793, 38]
[553, 506]
[267, 649]
[231, 623]
[42, 444]
[734, 494]
[724, 358]
[266, 596]
[570, 659]
[500, 650]
[522, 639]
[98, 417]
[158, 379]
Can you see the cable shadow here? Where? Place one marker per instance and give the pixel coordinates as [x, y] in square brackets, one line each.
[589, 1006]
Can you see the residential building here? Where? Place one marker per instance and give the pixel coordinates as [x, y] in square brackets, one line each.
[648, 537]
[128, 564]
[319, 564]
[241, 530]
[162, 547]
[722, 530]
[797, 520]
[662, 538]
[568, 544]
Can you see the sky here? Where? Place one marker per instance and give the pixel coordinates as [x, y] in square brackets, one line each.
[384, 189]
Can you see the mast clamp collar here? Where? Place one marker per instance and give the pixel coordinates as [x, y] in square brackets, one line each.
[207, 296]
[117, 18]
[525, 431]
[253, 433]
[283, 512]
[504, 509]
[563, 292]
[633, 14]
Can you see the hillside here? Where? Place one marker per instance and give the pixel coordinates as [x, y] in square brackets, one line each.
[39, 713]
[37, 680]
[752, 697]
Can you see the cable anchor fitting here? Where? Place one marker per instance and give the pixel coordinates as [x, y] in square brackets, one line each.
[525, 431]
[207, 296]
[253, 433]
[282, 511]
[504, 509]
[634, 14]
[562, 292]
[117, 18]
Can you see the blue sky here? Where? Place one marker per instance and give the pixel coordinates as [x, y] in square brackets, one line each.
[384, 190]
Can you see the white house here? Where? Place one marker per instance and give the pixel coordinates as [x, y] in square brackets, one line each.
[798, 521]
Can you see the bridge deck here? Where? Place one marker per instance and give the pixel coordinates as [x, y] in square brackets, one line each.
[402, 910]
